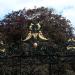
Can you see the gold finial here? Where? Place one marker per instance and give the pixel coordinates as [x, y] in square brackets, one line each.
[35, 32]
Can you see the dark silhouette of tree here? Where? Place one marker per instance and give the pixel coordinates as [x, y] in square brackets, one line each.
[55, 27]
[15, 27]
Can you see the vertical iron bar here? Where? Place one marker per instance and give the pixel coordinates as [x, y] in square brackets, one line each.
[50, 70]
[20, 65]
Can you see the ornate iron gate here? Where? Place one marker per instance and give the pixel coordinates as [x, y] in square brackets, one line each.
[37, 60]
[35, 64]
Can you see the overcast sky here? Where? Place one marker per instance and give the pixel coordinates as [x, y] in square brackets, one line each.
[64, 7]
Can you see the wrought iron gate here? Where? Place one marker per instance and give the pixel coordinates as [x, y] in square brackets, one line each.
[41, 60]
[36, 64]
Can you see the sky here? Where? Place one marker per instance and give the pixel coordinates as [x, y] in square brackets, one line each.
[64, 7]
